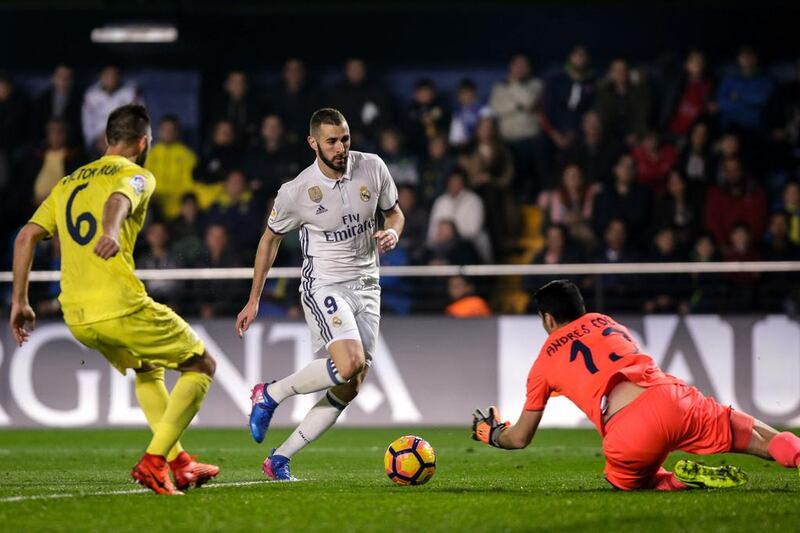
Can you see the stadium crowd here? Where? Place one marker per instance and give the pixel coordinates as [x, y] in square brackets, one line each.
[580, 165]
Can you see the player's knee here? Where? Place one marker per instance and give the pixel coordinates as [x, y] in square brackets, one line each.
[353, 366]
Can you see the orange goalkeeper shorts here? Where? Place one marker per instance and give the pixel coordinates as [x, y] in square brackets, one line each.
[662, 419]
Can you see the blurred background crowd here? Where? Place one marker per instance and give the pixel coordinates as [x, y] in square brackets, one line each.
[568, 162]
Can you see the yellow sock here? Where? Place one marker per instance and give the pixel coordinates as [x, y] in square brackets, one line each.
[184, 402]
[152, 394]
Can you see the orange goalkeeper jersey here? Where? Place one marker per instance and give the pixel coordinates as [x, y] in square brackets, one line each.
[583, 360]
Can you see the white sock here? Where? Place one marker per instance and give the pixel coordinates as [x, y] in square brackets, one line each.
[319, 374]
[321, 417]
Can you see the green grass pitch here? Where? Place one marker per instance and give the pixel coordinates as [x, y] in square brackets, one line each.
[78, 480]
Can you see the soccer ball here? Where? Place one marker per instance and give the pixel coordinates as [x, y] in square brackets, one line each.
[410, 460]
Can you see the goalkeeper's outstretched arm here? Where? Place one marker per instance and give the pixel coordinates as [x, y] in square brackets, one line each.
[488, 428]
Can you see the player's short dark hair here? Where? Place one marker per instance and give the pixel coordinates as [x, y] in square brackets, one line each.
[562, 299]
[127, 124]
[326, 115]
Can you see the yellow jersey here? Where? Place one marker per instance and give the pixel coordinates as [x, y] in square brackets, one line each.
[94, 289]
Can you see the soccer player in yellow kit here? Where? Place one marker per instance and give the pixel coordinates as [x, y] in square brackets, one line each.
[96, 213]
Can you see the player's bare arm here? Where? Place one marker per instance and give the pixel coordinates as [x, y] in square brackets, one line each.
[21, 311]
[388, 237]
[116, 208]
[265, 257]
[489, 428]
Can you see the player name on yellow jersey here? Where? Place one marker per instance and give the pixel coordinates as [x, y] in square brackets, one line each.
[94, 289]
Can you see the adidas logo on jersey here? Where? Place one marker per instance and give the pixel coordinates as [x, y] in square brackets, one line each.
[321, 209]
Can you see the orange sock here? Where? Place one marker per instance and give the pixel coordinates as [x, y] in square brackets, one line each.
[785, 449]
[666, 480]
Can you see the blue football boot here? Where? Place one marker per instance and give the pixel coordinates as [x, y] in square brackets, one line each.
[261, 412]
[277, 467]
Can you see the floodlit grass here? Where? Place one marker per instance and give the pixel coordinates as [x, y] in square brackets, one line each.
[59, 480]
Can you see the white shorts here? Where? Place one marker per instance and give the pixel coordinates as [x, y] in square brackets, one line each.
[344, 311]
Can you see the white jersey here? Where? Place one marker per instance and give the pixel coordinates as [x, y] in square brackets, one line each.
[336, 219]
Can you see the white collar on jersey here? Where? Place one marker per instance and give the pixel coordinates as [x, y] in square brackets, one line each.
[328, 181]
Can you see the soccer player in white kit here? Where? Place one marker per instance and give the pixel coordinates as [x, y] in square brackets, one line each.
[334, 203]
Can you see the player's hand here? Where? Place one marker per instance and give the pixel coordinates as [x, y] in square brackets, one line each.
[487, 427]
[386, 240]
[246, 317]
[20, 316]
[106, 247]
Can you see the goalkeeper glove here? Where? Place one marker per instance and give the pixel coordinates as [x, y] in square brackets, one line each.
[487, 427]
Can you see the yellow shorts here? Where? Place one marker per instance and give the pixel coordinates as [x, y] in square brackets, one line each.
[154, 334]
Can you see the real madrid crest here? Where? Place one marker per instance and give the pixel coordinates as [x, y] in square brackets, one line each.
[336, 321]
[315, 193]
[365, 194]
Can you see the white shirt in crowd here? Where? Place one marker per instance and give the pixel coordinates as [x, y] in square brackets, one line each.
[465, 210]
[98, 104]
[514, 104]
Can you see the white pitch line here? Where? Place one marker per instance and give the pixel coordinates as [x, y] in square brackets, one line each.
[58, 496]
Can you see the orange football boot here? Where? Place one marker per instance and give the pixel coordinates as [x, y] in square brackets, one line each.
[152, 472]
[189, 473]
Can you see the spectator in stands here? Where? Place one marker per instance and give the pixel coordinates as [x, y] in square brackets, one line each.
[464, 303]
[690, 97]
[273, 161]
[158, 256]
[489, 167]
[594, 151]
[666, 293]
[221, 155]
[679, 209]
[239, 213]
[741, 286]
[173, 164]
[466, 114]
[558, 249]
[791, 206]
[61, 100]
[707, 290]
[219, 297]
[620, 291]
[695, 161]
[625, 200]
[783, 121]
[401, 164]
[53, 160]
[516, 103]
[366, 104]
[465, 209]
[779, 290]
[738, 199]
[13, 113]
[426, 117]
[743, 94]
[571, 204]
[239, 106]
[415, 230]
[99, 101]
[434, 169]
[448, 247]
[653, 159]
[487, 161]
[777, 245]
[623, 102]
[294, 101]
[568, 96]
[187, 232]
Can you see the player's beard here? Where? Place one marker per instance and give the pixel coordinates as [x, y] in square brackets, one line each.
[330, 164]
[142, 157]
